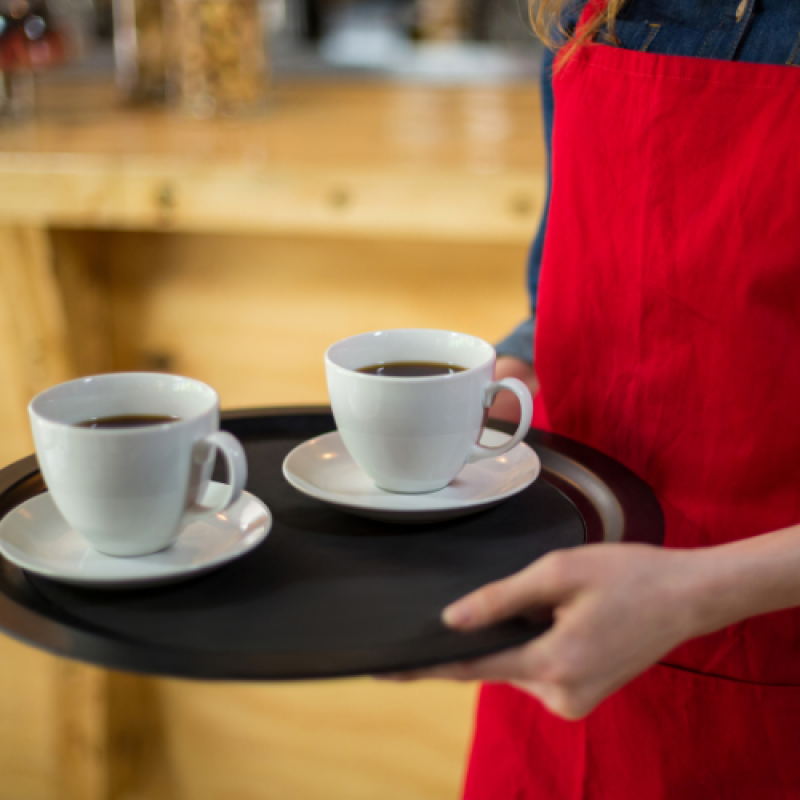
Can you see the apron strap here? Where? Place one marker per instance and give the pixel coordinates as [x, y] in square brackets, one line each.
[592, 9]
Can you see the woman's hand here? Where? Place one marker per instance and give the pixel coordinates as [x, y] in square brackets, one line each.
[506, 405]
[617, 609]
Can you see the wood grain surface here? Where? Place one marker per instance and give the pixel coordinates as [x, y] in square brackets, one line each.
[340, 159]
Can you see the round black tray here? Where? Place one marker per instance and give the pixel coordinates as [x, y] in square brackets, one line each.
[328, 594]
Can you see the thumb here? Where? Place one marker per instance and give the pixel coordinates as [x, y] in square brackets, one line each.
[541, 585]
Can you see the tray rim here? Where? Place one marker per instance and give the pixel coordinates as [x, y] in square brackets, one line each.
[635, 516]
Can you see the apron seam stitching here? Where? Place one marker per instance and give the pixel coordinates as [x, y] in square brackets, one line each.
[725, 678]
[687, 79]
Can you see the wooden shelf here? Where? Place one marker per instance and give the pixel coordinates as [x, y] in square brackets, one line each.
[327, 158]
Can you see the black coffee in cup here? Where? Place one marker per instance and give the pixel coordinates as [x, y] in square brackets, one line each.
[411, 369]
[126, 421]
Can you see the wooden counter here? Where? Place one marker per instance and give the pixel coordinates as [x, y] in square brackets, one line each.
[236, 252]
[366, 160]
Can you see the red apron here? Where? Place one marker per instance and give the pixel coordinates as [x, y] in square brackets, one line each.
[669, 337]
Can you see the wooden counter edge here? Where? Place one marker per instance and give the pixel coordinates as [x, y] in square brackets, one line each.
[144, 194]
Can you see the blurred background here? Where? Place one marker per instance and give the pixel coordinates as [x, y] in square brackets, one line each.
[233, 52]
[223, 188]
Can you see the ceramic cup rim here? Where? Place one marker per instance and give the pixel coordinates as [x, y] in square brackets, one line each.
[68, 387]
[334, 351]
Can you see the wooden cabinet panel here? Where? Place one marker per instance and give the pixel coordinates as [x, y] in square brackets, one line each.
[27, 732]
[253, 316]
[340, 740]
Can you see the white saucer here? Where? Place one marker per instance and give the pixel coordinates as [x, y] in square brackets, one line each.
[37, 538]
[322, 468]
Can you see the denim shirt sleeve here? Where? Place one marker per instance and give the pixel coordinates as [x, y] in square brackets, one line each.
[519, 342]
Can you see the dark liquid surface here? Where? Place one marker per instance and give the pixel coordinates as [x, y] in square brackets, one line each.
[127, 421]
[411, 369]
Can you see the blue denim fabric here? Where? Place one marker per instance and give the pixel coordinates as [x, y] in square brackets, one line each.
[519, 342]
[757, 31]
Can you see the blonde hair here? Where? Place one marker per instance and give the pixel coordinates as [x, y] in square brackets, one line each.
[547, 19]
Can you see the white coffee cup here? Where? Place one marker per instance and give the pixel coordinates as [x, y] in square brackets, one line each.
[130, 491]
[416, 434]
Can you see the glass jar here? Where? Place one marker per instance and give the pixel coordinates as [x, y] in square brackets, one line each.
[31, 41]
[140, 49]
[440, 20]
[217, 62]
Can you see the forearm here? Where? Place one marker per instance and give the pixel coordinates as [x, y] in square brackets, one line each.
[731, 582]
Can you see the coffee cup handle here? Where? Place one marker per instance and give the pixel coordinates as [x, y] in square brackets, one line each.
[480, 451]
[235, 459]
